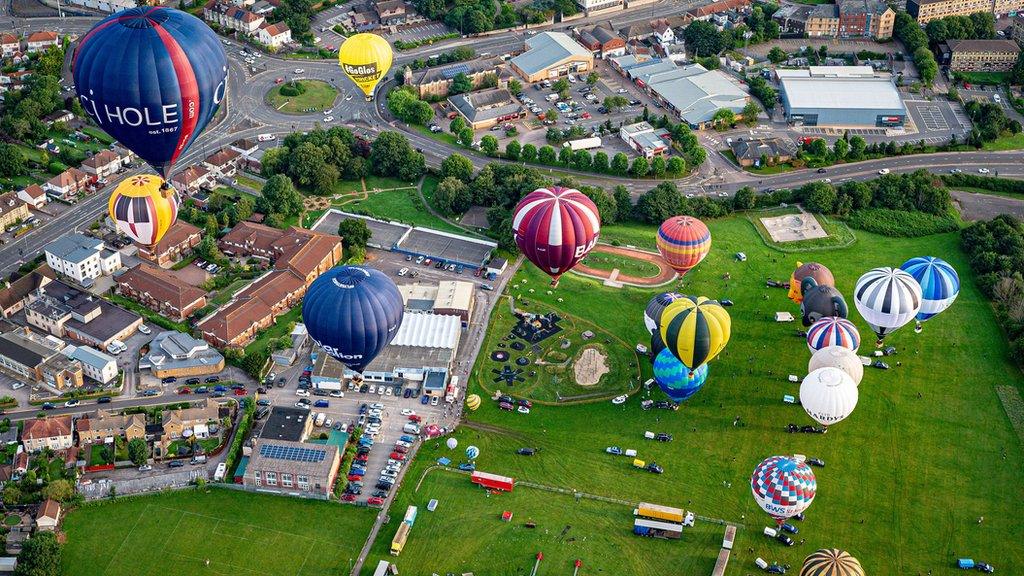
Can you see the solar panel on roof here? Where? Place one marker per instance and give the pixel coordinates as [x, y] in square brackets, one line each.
[452, 71]
[292, 453]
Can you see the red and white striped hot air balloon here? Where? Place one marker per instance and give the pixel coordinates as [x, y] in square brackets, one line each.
[555, 228]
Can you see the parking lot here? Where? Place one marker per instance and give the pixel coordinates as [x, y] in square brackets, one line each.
[935, 121]
[420, 32]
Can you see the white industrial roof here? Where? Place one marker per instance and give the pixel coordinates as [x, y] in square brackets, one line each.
[842, 93]
[547, 49]
[452, 294]
[827, 72]
[697, 93]
[429, 331]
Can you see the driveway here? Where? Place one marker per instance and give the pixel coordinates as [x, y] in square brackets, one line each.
[985, 206]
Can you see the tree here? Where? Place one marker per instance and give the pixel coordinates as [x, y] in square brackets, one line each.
[547, 155]
[51, 62]
[592, 78]
[138, 450]
[466, 136]
[253, 363]
[818, 147]
[389, 152]
[623, 203]
[604, 202]
[819, 197]
[615, 102]
[640, 167]
[620, 164]
[461, 83]
[279, 196]
[841, 148]
[306, 161]
[676, 165]
[512, 150]
[39, 556]
[777, 55]
[926, 65]
[564, 155]
[515, 86]
[658, 166]
[857, 146]
[659, 203]
[723, 118]
[561, 86]
[551, 114]
[406, 106]
[1017, 73]
[489, 145]
[452, 196]
[750, 112]
[600, 162]
[354, 233]
[581, 160]
[703, 38]
[456, 125]
[529, 153]
[745, 199]
[12, 161]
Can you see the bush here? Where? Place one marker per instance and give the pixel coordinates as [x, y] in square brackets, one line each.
[984, 183]
[292, 89]
[901, 224]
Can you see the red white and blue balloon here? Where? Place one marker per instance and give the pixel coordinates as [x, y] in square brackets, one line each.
[783, 486]
[833, 331]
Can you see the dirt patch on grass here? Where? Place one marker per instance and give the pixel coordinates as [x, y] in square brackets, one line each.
[590, 366]
[665, 275]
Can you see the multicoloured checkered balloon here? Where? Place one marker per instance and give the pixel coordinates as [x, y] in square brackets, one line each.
[783, 486]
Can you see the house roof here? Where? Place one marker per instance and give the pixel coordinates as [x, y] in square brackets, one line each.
[49, 509]
[303, 258]
[69, 177]
[206, 411]
[101, 158]
[161, 285]
[276, 29]
[253, 236]
[447, 72]
[285, 423]
[189, 175]
[44, 36]
[222, 157]
[485, 104]
[49, 427]
[7, 38]
[34, 191]
[245, 144]
[17, 348]
[9, 201]
[74, 247]
[179, 233]
[548, 49]
[111, 320]
[90, 357]
[716, 7]
[236, 318]
[983, 46]
[313, 460]
[754, 148]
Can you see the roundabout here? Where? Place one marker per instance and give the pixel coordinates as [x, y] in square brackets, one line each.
[299, 97]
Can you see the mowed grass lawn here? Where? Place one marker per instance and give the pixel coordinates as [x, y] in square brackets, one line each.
[239, 533]
[906, 479]
[319, 95]
[626, 265]
[401, 205]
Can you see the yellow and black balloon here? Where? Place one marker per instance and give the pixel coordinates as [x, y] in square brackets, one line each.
[831, 562]
[366, 59]
[695, 329]
[143, 208]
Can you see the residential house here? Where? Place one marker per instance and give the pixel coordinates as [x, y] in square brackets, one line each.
[275, 35]
[295, 468]
[437, 80]
[707, 11]
[750, 151]
[602, 40]
[33, 195]
[822, 21]
[104, 425]
[48, 516]
[191, 179]
[9, 44]
[223, 163]
[161, 291]
[12, 210]
[58, 116]
[865, 19]
[81, 257]
[67, 184]
[97, 365]
[176, 422]
[245, 146]
[979, 55]
[233, 17]
[390, 12]
[176, 244]
[39, 41]
[39, 360]
[13, 298]
[53, 432]
[65, 311]
[103, 164]
[662, 31]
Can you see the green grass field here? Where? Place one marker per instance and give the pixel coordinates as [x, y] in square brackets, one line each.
[1015, 142]
[401, 205]
[627, 266]
[240, 533]
[318, 96]
[907, 476]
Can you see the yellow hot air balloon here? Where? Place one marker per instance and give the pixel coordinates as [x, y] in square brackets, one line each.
[365, 58]
[143, 207]
[831, 562]
[473, 401]
[695, 329]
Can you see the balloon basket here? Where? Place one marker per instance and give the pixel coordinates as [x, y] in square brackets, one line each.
[879, 343]
[918, 328]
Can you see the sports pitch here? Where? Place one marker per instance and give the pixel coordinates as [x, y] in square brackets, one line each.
[907, 476]
[239, 533]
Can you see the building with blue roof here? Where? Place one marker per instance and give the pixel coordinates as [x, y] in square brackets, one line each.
[97, 365]
[550, 55]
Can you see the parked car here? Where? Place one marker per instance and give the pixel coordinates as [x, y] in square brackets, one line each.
[663, 437]
[348, 497]
[613, 450]
[785, 539]
[790, 528]
[212, 379]
[655, 468]
[506, 406]
[375, 501]
[467, 467]
[168, 380]
[184, 390]
[72, 403]
[816, 462]
[526, 451]
[523, 410]
[425, 400]
[104, 400]
[321, 404]
[301, 392]
[812, 429]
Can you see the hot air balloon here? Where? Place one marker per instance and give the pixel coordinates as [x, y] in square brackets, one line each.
[675, 379]
[352, 312]
[151, 77]
[821, 274]
[451, 443]
[472, 452]
[887, 298]
[657, 305]
[820, 301]
[833, 331]
[143, 208]
[828, 395]
[555, 228]
[695, 330]
[657, 344]
[683, 242]
[831, 562]
[940, 285]
[783, 487]
[838, 357]
[366, 59]
[473, 401]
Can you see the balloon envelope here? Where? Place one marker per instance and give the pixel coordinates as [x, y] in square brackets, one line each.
[940, 284]
[695, 329]
[828, 395]
[833, 331]
[783, 487]
[366, 59]
[353, 312]
[683, 242]
[451, 443]
[821, 301]
[472, 452]
[151, 77]
[555, 228]
[657, 305]
[887, 298]
[822, 276]
[473, 401]
[831, 562]
[838, 357]
[676, 380]
[143, 208]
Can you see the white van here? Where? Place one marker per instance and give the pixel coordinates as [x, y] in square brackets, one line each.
[630, 452]
[320, 417]
[761, 563]
[411, 429]
[770, 532]
[266, 137]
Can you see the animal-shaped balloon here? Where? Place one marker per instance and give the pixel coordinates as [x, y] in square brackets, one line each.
[820, 301]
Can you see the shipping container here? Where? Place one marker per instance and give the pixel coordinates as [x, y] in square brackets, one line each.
[398, 542]
[659, 512]
[382, 568]
[730, 537]
[656, 529]
[410, 516]
[493, 481]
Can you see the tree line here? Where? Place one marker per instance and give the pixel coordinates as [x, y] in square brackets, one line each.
[995, 249]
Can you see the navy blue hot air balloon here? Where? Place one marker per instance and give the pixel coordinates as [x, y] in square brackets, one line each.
[151, 77]
[353, 312]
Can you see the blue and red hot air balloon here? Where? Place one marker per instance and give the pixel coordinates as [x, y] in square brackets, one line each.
[353, 312]
[833, 331]
[151, 77]
[555, 228]
[783, 486]
[683, 242]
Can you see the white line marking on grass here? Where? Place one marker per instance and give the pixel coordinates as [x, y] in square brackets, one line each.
[126, 536]
[305, 557]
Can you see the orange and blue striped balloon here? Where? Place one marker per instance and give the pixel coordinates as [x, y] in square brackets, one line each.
[683, 242]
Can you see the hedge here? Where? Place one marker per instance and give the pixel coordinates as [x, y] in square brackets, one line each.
[984, 183]
[235, 452]
[900, 224]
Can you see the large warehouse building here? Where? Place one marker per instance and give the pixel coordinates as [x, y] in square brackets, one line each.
[550, 55]
[841, 96]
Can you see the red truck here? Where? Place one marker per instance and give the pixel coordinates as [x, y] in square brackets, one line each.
[493, 481]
